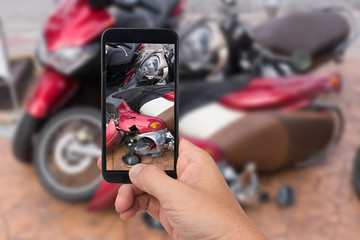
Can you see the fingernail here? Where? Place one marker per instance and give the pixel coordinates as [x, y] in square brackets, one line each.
[117, 196]
[136, 169]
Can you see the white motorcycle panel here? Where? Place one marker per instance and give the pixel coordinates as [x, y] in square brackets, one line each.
[156, 106]
[207, 120]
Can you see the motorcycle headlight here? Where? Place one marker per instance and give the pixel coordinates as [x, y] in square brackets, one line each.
[195, 47]
[149, 70]
[67, 60]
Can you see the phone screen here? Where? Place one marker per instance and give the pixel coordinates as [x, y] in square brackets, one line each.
[140, 88]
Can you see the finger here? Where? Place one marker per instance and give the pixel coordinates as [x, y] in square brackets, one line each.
[151, 205]
[143, 203]
[126, 196]
[186, 146]
[193, 152]
[188, 154]
[183, 159]
[153, 180]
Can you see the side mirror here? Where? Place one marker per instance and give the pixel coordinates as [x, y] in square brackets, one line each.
[301, 60]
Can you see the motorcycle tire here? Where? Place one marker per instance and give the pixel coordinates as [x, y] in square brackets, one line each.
[356, 175]
[131, 159]
[22, 144]
[51, 181]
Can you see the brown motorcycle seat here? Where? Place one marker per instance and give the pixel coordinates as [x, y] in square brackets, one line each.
[168, 116]
[275, 140]
[317, 32]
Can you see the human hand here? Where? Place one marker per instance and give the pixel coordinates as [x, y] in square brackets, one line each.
[198, 205]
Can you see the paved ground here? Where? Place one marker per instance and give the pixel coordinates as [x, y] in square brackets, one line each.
[326, 206]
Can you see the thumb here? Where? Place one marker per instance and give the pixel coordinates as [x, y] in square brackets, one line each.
[153, 180]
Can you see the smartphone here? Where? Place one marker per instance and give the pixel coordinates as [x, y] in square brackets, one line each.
[139, 101]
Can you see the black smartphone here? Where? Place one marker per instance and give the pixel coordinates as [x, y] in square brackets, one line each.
[139, 101]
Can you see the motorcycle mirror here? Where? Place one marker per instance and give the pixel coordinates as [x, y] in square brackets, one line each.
[301, 60]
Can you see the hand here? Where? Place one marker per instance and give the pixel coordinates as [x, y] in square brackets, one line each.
[199, 205]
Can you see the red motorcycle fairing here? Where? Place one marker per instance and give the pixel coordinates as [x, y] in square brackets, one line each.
[104, 197]
[52, 91]
[289, 93]
[170, 96]
[179, 8]
[141, 47]
[113, 136]
[75, 23]
[128, 118]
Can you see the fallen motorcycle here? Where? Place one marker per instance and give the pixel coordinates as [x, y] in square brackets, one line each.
[216, 48]
[271, 114]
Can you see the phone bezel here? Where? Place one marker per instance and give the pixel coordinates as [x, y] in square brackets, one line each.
[154, 36]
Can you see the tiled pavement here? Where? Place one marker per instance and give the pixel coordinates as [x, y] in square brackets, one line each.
[326, 206]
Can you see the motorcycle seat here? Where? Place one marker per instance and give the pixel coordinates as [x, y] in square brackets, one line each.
[275, 140]
[317, 32]
[120, 55]
[118, 60]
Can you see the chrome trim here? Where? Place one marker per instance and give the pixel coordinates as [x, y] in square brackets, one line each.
[162, 138]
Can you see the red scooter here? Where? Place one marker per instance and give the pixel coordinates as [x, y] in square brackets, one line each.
[262, 111]
[62, 121]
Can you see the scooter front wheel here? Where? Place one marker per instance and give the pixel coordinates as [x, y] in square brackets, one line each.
[22, 144]
[66, 153]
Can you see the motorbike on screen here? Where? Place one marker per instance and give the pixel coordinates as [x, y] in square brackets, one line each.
[139, 105]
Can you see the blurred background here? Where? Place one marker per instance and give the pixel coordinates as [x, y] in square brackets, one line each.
[45, 193]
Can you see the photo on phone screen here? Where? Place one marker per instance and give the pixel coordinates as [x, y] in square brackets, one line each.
[140, 81]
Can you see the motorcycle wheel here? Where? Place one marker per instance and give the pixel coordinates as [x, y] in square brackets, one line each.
[356, 175]
[22, 144]
[66, 153]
